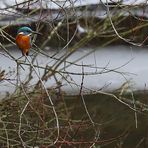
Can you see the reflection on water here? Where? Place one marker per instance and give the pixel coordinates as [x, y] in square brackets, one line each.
[107, 69]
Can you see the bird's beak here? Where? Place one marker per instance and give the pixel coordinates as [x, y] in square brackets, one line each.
[34, 32]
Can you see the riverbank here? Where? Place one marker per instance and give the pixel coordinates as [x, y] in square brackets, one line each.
[84, 25]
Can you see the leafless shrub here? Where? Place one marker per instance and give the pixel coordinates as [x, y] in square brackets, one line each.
[39, 115]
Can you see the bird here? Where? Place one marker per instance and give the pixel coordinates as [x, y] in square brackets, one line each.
[23, 39]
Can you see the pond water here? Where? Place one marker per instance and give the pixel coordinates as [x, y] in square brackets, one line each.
[113, 118]
[115, 123]
[107, 69]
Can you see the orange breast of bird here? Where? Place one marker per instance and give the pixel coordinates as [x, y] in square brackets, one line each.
[23, 42]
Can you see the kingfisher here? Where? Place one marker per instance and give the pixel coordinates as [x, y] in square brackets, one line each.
[23, 39]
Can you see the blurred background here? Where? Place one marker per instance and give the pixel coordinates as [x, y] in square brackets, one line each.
[84, 83]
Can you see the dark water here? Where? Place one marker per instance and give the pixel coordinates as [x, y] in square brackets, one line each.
[116, 122]
[106, 122]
